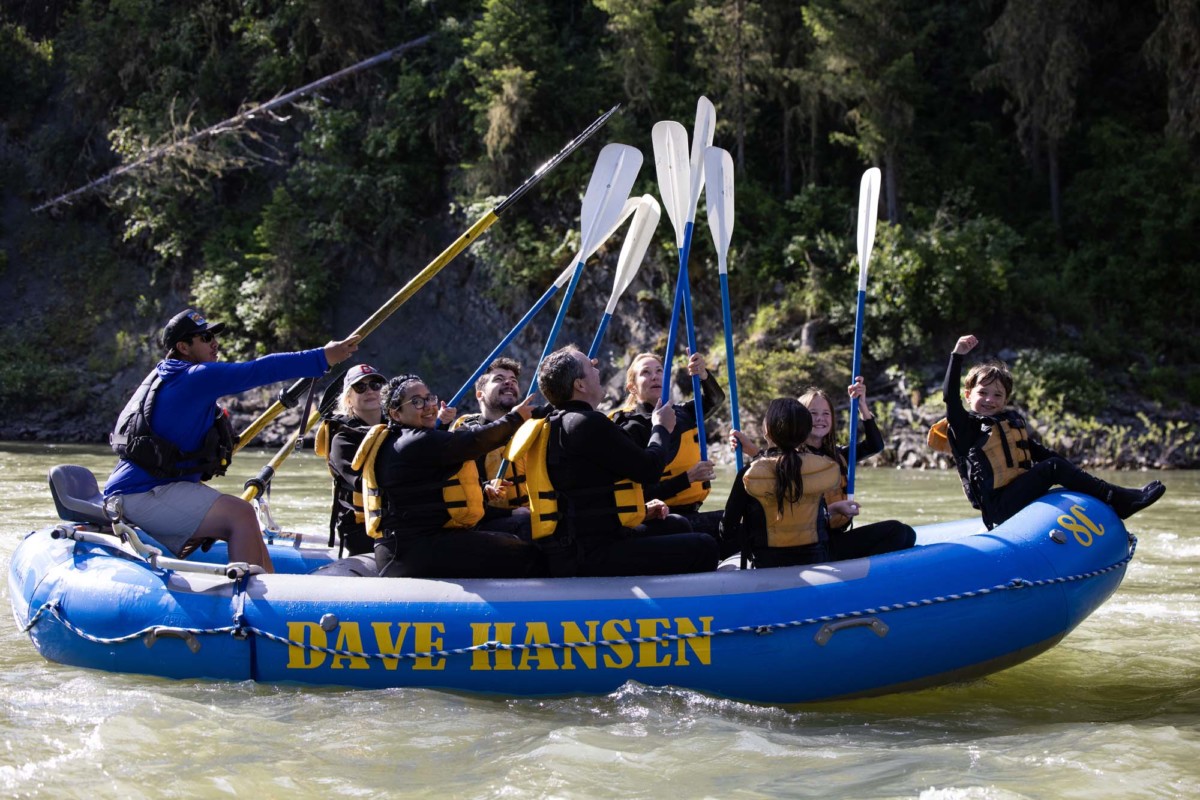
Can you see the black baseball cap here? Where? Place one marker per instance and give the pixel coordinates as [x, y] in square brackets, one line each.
[185, 325]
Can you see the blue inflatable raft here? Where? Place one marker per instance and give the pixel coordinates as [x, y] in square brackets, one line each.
[963, 603]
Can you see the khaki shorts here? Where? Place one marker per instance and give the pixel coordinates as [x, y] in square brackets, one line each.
[170, 513]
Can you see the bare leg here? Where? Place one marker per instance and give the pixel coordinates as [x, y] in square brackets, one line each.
[233, 520]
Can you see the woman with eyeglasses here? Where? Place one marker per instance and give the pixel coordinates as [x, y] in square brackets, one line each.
[359, 408]
[423, 496]
[172, 435]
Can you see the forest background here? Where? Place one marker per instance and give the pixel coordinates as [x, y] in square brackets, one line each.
[1040, 162]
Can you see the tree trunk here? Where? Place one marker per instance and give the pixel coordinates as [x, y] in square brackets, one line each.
[889, 187]
[1055, 189]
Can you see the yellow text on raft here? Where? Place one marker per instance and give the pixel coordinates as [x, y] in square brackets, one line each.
[392, 638]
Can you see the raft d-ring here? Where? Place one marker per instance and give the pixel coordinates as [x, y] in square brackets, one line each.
[830, 628]
[153, 635]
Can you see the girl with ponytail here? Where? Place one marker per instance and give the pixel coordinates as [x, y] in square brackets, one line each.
[777, 506]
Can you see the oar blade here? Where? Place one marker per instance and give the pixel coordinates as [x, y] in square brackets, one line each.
[868, 214]
[718, 175]
[612, 179]
[672, 165]
[633, 251]
[702, 138]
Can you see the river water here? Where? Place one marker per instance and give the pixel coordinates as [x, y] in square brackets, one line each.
[1111, 712]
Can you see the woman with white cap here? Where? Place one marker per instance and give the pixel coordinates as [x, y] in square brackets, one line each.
[338, 439]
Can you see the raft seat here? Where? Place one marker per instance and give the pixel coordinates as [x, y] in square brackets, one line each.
[76, 494]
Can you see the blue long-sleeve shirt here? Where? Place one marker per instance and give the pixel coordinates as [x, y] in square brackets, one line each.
[186, 404]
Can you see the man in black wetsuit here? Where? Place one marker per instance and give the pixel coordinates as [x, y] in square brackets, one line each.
[591, 464]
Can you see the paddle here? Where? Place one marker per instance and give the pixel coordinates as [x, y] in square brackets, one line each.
[868, 213]
[718, 178]
[646, 213]
[631, 206]
[680, 179]
[257, 485]
[289, 397]
[603, 205]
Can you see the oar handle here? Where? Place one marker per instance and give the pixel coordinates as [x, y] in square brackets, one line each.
[257, 485]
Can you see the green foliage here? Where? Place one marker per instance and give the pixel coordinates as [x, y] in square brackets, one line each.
[1051, 384]
[371, 174]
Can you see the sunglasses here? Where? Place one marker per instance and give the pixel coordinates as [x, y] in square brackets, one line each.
[373, 385]
[206, 337]
[420, 402]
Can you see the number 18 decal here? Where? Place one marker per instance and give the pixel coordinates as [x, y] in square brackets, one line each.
[1081, 526]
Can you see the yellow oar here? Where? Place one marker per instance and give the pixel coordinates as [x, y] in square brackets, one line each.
[291, 396]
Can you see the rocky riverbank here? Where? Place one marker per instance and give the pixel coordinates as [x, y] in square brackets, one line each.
[1133, 434]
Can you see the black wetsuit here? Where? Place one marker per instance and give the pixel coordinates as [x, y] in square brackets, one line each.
[848, 540]
[348, 433]
[410, 469]
[1048, 469]
[587, 454]
[637, 423]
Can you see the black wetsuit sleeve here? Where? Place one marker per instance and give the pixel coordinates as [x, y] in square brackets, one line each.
[595, 434]
[961, 427]
[637, 425]
[711, 395]
[467, 443]
[733, 521]
[1039, 452]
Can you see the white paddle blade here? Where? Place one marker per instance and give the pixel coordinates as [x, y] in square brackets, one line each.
[673, 168]
[612, 179]
[627, 211]
[637, 241]
[868, 213]
[702, 139]
[718, 175]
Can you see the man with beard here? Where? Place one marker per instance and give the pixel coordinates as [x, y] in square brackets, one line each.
[498, 392]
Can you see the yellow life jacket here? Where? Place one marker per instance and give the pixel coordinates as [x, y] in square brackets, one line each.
[322, 441]
[798, 524]
[515, 495]
[364, 462]
[687, 456]
[1003, 447]
[532, 442]
[461, 493]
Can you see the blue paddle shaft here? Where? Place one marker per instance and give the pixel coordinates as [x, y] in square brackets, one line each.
[854, 371]
[505, 342]
[727, 317]
[549, 348]
[697, 399]
[595, 348]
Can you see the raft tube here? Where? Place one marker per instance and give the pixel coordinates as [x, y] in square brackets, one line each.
[963, 603]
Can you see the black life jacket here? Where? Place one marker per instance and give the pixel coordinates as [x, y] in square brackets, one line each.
[134, 440]
[999, 455]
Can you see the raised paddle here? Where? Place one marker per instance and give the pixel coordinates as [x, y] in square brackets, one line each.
[680, 180]
[631, 206]
[718, 196]
[257, 486]
[289, 397]
[603, 205]
[868, 213]
[612, 179]
[646, 213]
